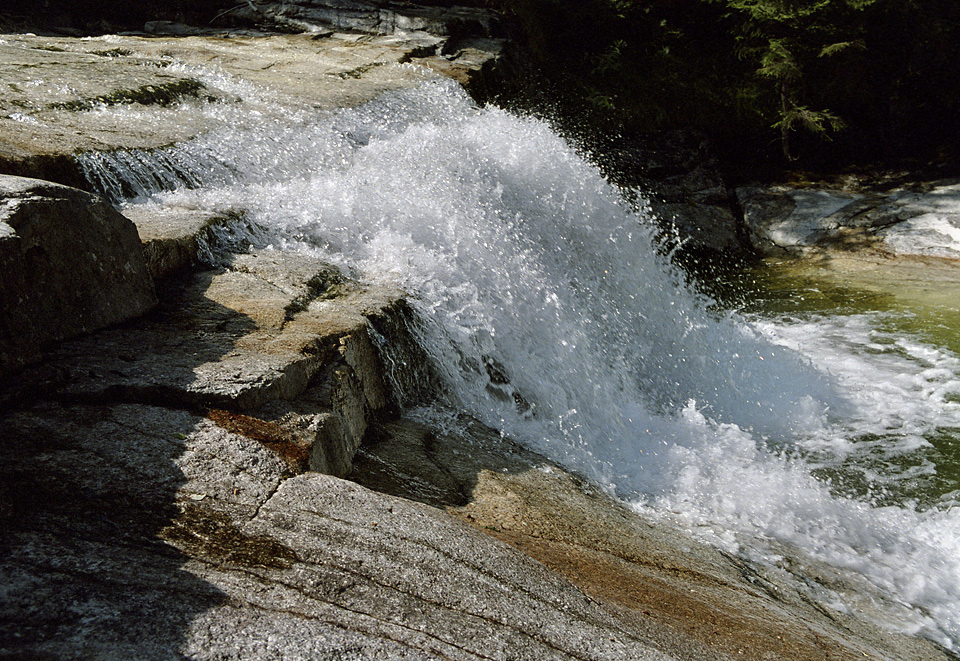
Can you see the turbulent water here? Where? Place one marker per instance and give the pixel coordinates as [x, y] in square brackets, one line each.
[551, 315]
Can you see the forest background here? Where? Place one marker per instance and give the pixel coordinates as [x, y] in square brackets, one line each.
[779, 85]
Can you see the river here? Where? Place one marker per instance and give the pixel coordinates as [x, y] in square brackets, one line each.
[794, 421]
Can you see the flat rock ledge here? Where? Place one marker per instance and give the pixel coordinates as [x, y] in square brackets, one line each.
[120, 93]
[920, 220]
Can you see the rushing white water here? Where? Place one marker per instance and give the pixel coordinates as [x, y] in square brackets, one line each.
[551, 316]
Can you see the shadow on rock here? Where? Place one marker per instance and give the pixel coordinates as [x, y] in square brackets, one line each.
[86, 495]
[407, 459]
[105, 499]
[656, 582]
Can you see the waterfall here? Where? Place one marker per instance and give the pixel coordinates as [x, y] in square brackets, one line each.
[547, 311]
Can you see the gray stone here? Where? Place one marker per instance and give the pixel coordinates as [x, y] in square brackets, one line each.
[63, 96]
[144, 532]
[926, 222]
[71, 264]
[689, 600]
[370, 17]
[282, 337]
[804, 221]
[50, 87]
[176, 240]
[700, 226]
[781, 220]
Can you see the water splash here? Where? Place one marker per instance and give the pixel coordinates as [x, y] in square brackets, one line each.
[548, 312]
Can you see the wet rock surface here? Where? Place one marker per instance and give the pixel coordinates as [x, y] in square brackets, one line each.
[690, 600]
[63, 96]
[163, 496]
[919, 220]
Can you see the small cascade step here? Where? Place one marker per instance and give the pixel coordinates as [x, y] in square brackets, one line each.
[178, 239]
[279, 338]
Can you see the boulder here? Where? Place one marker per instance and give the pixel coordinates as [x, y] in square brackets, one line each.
[70, 264]
[926, 221]
[281, 345]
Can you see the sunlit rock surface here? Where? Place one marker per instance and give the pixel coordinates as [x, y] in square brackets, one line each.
[162, 495]
[688, 599]
[62, 96]
[176, 239]
[179, 538]
[921, 220]
[171, 487]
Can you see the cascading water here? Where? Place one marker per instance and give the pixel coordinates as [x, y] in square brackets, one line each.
[550, 315]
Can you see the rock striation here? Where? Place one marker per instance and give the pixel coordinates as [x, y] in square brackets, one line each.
[172, 488]
[169, 490]
[317, 16]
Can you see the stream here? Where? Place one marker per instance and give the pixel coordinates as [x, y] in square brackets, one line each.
[794, 420]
